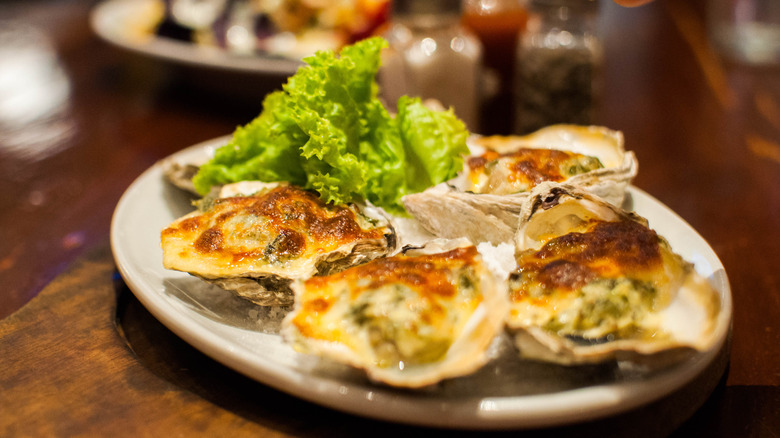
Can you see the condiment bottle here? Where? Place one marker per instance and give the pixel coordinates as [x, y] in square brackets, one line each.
[498, 25]
[559, 62]
[432, 56]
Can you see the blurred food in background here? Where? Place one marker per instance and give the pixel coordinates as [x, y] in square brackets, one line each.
[503, 66]
[289, 28]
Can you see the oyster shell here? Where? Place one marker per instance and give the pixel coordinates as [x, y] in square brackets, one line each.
[452, 209]
[408, 320]
[595, 283]
[180, 172]
[254, 238]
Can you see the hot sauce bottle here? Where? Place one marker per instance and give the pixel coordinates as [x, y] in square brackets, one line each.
[498, 24]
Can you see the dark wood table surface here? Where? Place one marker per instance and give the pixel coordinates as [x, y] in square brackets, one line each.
[81, 119]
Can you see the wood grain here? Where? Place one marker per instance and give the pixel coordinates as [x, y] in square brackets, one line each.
[94, 386]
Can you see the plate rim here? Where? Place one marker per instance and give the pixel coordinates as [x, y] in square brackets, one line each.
[489, 413]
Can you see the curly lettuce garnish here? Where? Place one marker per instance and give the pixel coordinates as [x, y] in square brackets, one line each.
[328, 131]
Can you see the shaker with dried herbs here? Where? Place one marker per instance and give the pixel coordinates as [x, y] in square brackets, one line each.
[559, 61]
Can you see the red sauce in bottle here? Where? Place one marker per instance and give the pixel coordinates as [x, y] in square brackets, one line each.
[499, 33]
[498, 27]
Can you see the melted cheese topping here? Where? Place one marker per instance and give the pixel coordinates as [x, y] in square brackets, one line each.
[596, 282]
[277, 231]
[522, 169]
[393, 312]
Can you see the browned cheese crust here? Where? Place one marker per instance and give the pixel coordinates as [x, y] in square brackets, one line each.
[267, 232]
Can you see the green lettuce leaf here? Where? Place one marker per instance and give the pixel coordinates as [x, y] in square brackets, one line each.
[435, 143]
[327, 130]
[266, 149]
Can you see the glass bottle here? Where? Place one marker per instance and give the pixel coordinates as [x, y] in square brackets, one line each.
[745, 30]
[432, 56]
[498, 24]
[559, 65]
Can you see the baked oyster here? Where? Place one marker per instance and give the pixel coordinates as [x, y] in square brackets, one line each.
[595, 283]
[408, 320]
[254, 238]
[498, 176]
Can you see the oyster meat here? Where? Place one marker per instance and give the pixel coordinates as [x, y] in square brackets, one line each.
[408, 320]
[255, 238]
[595, 283]
[497, 178]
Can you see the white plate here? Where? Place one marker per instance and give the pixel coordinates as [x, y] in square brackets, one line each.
[120, 21]
[506, 393]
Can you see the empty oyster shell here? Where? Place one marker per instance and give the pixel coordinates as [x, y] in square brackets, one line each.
[483, 203]
[255, 238]
[179, 171]
[595, 283]
[409, 320]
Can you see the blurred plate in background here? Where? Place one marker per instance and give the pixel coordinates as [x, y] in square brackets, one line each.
[130, 24]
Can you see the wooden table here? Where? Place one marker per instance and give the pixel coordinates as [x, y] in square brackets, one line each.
[81, 120]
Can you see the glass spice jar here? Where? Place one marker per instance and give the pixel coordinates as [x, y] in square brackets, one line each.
[559, 64]
[432, 56]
